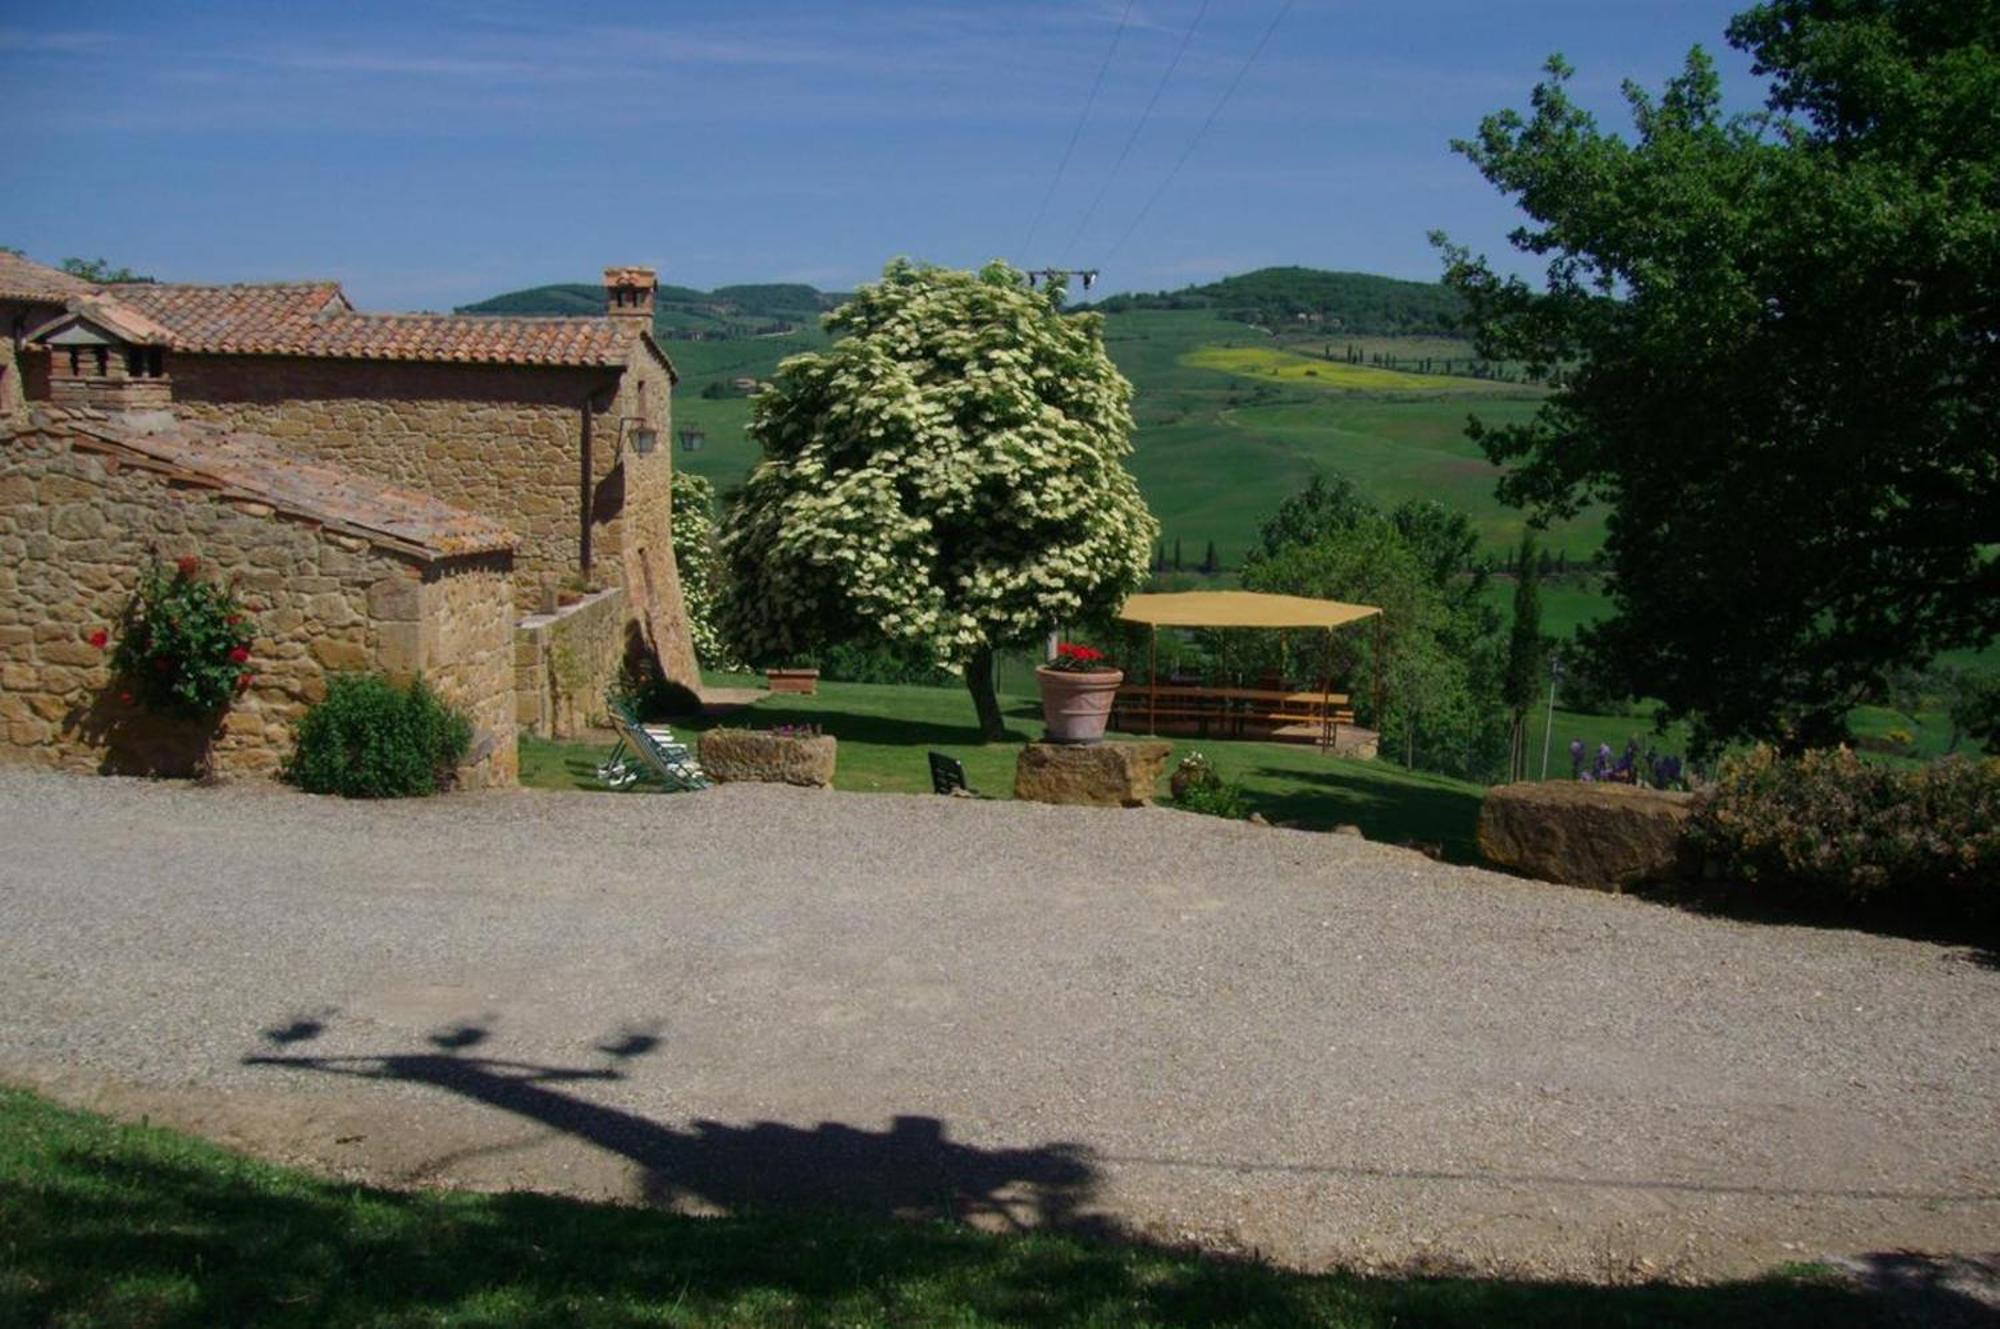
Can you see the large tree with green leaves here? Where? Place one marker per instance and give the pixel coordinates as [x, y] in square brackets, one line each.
[1777, 343]
[1440, 664]
[949, 474]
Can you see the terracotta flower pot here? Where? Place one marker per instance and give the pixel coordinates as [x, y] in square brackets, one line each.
[1077, 706]
[802, 681]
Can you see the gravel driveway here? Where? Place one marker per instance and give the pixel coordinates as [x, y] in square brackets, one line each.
[1145, 1022]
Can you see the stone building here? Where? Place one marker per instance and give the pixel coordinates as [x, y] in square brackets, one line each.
[30, 295]
[549, 426]
[338, 572]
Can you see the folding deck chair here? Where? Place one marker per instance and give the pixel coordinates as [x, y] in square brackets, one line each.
[648, 750]
[948, 776]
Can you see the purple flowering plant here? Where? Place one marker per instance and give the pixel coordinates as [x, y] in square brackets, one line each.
[1634, 766]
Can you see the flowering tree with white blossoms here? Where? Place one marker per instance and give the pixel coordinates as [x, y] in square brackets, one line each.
[949, 474]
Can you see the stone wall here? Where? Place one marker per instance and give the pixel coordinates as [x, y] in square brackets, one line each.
[644, 542]
[466, 636]
[565, 661]
[77, 528]
[532, 447]
[501, 441]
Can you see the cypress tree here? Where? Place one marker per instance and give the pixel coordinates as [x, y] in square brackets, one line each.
[1526, 651]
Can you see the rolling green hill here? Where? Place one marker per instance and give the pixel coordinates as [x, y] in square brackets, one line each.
[1352, 302]
[1232, 417]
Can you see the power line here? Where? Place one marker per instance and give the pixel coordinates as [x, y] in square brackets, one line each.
[1145, 115]
[1077, 132]
[1227, 93]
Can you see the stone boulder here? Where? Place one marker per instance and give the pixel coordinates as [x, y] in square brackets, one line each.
[736, 755]
[1105, 775]
[1605, 836]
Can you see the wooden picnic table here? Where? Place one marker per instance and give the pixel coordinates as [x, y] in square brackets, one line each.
[1235, 707]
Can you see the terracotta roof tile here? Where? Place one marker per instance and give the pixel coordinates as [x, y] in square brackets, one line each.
[25, 279]
[121, 320]
[263, 470]
[315, 319]
[474, 339]
[273, 318]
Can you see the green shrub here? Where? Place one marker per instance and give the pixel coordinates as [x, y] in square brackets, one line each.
[372, 739]
[1218, 800]
[1832, 832]
[694, 554]
[1198, 787]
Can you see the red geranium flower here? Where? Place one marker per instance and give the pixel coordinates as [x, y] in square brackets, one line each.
[244, 680]
[100, 639]
[239, 655]
[125, 697]
[1075, 658]
[188, 564]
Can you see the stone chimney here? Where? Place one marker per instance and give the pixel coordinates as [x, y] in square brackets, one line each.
[628, 297]
[107, 376]
[105, 357]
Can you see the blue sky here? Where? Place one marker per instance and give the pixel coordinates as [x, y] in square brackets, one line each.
[433, 154]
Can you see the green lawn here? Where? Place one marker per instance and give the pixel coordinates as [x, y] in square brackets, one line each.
[131, 1227]
[885, 732]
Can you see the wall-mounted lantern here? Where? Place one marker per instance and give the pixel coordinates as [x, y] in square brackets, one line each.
[633, 429]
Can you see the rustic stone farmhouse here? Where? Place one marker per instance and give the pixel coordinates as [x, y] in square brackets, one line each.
[341, 572]
[549, 429]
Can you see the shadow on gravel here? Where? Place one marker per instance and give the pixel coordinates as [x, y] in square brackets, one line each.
[911, 1170]
[1746, 904]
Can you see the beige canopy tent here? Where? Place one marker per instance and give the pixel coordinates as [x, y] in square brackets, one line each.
[1247, 609]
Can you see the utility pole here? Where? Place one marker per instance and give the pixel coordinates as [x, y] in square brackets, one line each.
[1549, 725]
[1049, 276]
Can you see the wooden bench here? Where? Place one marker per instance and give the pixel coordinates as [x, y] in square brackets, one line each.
[1232, 709]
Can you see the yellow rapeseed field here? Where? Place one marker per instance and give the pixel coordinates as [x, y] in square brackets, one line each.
[1272, 365]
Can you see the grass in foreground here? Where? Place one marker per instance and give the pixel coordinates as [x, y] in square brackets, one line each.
[110, 1225]
[885, 731]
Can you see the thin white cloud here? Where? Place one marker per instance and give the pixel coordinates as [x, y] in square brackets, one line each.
[62, 43]
[365, 62]
[683, 47]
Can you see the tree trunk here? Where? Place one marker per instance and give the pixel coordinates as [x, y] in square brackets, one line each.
[979, 681]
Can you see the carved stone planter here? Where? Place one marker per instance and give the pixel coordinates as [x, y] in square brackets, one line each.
[749, 755]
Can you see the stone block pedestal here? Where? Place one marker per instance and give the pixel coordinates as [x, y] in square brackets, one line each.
[1607, 836]
[1105, 775]
[733, 755]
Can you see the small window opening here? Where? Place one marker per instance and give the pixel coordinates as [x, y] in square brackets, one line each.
[156, 362]
[135, 362]
[103, 361]
[75, 361]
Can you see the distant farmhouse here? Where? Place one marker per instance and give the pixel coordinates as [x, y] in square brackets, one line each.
[509, 469]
